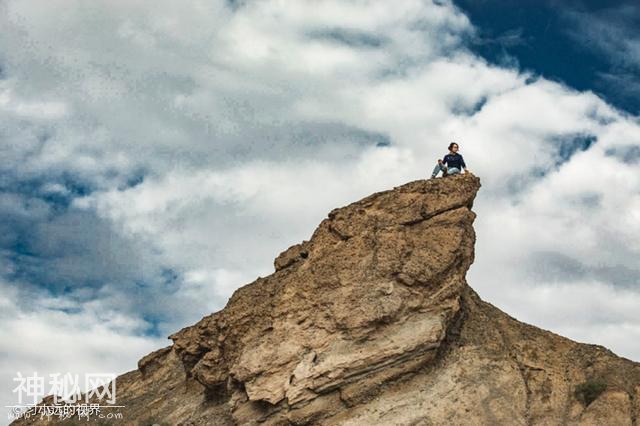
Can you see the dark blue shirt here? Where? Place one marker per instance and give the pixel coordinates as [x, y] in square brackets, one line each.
[454, 160]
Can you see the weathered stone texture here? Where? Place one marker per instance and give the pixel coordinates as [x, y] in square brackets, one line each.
[369, 322]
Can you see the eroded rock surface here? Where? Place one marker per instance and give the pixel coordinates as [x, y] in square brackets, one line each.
[371, 321]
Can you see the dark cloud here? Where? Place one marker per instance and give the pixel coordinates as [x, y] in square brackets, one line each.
[627, 153]
[550, 267]
[463, 108]
[509, 38]
[350, 37]
[235, 4]
[567, 146]
[51, 248]
[564, 147]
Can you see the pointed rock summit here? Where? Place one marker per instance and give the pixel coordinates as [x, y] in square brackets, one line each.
[371, 322]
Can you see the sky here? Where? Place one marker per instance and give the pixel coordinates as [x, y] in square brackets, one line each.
[157, 156]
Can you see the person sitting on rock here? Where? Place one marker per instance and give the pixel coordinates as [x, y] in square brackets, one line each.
[451, 164]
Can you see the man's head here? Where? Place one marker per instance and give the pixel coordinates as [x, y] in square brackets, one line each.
[453, 147]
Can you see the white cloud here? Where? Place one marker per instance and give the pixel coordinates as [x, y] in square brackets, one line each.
[56, 335]
[590, 312]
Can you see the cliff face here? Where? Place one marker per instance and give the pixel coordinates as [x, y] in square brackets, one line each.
[371, 321]
[367, 299]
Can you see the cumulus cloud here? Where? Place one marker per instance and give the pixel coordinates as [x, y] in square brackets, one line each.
[159, 158]
[54, 334]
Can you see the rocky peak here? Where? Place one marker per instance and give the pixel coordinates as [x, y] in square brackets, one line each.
[371, 321]
[369, 297]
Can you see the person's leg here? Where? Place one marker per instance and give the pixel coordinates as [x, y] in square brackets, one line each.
[453, 171]
[436, 169]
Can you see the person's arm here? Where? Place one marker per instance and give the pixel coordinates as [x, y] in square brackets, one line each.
[464, 166]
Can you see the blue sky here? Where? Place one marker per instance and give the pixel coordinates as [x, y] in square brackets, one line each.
[589, 45]
[157, 157]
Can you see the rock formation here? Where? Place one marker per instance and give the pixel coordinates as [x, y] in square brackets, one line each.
[371, 322]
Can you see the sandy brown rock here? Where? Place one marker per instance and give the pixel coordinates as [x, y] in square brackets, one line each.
[371, 321]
